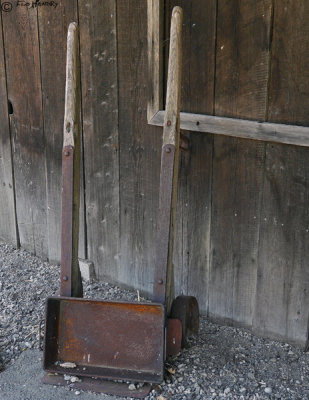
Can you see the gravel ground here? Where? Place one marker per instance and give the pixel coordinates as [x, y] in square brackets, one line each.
[221, 363]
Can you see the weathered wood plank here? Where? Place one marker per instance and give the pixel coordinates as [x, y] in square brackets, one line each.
[196, 170]
[98, 34]
[140, 149]
[54, 22]
[199, 31]
[155, 55]
[8, 232]
[241, 128]
[283, 273]
[24, 91]
[243, 35]
[70, 277]
[191, 247]
[164, 292]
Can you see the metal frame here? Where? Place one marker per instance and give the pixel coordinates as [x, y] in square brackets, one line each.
[265, 131]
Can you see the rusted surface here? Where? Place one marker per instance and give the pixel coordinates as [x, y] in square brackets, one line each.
[186, 309]
[173, 336]
[67, 221]
[99, 386]
[164, 222]
[114, 340]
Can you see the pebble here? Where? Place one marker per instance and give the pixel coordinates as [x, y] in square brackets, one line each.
[132, 386]
[221, 363]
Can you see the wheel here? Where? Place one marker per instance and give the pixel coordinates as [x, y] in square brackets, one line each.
[185, 308]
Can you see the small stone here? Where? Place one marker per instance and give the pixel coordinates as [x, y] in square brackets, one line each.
[86, 269]
[75, 379]
[77, 392]
[68, 365]
[268, 390]
[132, 386]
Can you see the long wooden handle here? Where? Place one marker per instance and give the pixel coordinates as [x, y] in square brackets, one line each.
[163, 289]
[172, 106]
[70, 279]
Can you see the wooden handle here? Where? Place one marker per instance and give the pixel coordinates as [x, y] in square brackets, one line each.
[71, 87]
[70, 278]
[163, 290]
[172, 108]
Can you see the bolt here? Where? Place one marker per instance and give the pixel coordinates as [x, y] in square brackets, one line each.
[68, 127]
[65, 278]
[168, 149]
[160, 281]
[168, 123]
[67, 153]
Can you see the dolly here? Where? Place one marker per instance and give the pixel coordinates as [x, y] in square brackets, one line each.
[101, 342]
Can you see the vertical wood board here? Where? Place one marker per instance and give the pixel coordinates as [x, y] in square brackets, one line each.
[242, 55]
[24, 90]
[140, 147]
[98, 33]
[8, 231]
[283, 273]
[54, 22]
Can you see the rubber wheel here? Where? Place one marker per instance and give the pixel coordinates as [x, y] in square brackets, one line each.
[185, 308]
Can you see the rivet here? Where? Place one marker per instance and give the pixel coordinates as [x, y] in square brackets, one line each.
[67, 153]
[168, 150]
[160, 281]
[168, 123]
[65, 278]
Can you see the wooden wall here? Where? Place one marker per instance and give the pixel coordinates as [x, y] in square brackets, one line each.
[242, 220]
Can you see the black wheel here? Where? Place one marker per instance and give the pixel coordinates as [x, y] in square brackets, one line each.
[185, 308]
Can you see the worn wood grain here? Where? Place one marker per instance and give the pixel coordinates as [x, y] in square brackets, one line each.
[24, 90]
[155, 24]
[8, 231]
[241, 128]
[164, 292]
[199, 34]
[283, 273]
[191, 247]
[53, 23]
[98, 34]
[140, 146]
[71, 170]
[243, 35]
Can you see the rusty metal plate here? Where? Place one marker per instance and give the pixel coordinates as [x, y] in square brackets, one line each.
[99, 386]
[173, 336]
[186, 309]
[113, 340]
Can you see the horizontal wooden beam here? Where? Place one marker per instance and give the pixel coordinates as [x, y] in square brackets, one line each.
[266, 131]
